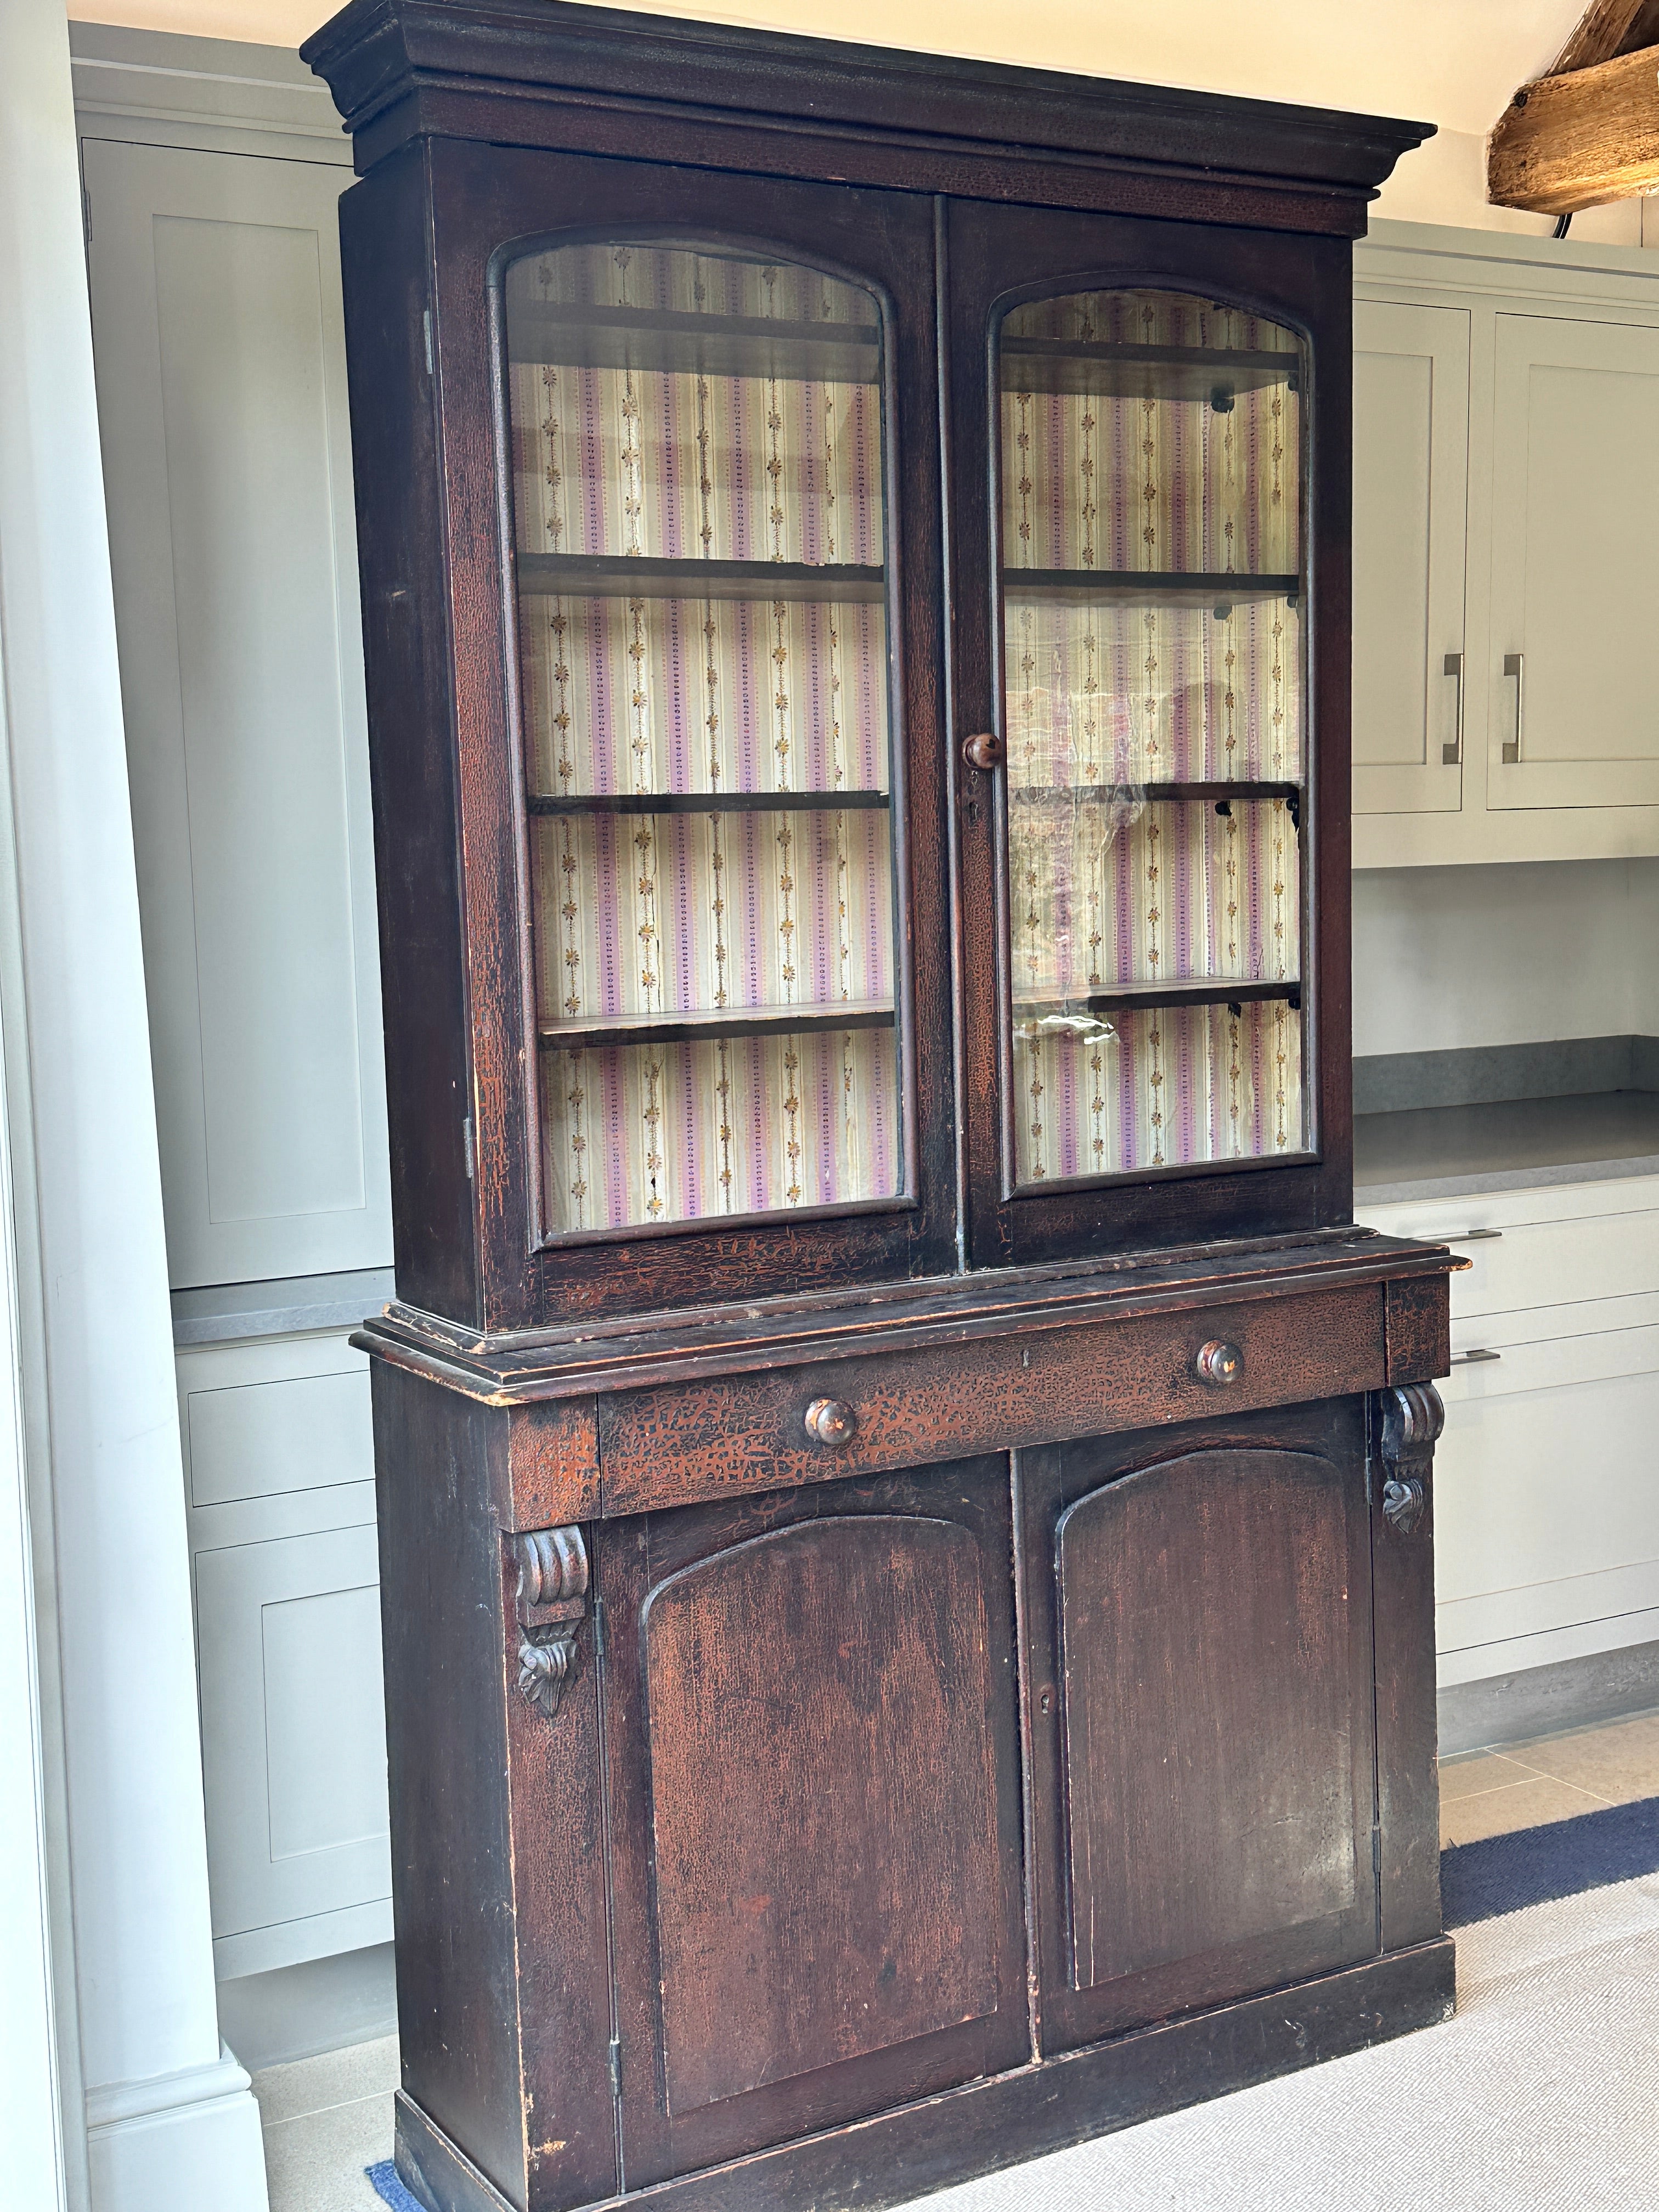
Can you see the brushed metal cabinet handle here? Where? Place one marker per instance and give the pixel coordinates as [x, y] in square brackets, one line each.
[1515, 665]
[1450, 755]
[1473, 1359]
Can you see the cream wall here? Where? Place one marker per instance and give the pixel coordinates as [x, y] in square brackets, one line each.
[1509, 955]
[1453, 65]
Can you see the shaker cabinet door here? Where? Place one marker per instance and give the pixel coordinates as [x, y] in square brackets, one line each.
[816, 1809]
[220, 351]
[1575, 713]
[1200, 1623]
[1411, 451]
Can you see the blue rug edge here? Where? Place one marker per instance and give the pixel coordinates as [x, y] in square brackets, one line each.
[383, 2179]
[1535, 1866]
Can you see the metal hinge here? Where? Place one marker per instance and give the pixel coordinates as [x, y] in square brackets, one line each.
[1377, 1851]
[468, 1148]
[596, 1607]
[616, 2066]
[425, 331]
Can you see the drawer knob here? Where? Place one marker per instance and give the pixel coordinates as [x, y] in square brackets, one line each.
[985, 751]
[831, 1421]
[1219, 1363]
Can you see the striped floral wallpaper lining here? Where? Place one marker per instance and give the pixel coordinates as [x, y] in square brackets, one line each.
[1131, 894]
[1119, 465]
[1161, 1089]
[644, 915]
[661, 916]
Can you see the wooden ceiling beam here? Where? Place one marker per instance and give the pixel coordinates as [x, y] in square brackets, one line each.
[1581, 139]
[1609, 29]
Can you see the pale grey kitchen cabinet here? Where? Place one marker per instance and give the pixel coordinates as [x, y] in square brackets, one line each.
[216, 292]
[212, 175]
[1506, 479]
[1411, 508]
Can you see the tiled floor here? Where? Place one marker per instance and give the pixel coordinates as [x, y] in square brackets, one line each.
[326, 2118]
[1525, 1786]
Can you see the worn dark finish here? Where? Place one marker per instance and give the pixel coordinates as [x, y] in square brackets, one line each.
[1417, 1323]
[410, 670]
[879, 1690]
[695, 1441]
[992, 2125]
[1404, 1424]
[503, 2034]
[824, 1847]
[1199, 1637]
[552, 1605]
[516, 73]
[999, 257]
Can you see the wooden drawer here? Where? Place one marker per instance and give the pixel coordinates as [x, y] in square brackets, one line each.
[721, 1435]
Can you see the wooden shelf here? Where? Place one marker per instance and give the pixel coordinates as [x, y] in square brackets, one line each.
[1133, 998]
[1078, 366]
[724, 1022]
[609, 576]
[708, 802]
[565, 334]
[1038, 794]
[1144, 587]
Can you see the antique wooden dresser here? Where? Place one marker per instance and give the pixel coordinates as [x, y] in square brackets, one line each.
[904, 1498]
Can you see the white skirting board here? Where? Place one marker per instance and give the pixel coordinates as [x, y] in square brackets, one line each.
[178, 2140]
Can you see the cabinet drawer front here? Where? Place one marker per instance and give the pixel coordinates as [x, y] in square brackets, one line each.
[1545, 1513]
[721, 1436]
[1504, 1360]
[264, 1439]
[1515, 1265]
[1541, 1263]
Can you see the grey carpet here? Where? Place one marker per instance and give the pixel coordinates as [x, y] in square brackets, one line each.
[1544, 2092]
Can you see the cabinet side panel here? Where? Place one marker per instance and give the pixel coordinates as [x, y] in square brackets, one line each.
[446, 1753]
[400, 533]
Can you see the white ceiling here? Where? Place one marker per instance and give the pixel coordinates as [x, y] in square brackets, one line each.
[1451, 62]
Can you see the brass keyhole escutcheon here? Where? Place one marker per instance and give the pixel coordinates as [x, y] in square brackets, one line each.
[831, 1421]
[1219, 1363]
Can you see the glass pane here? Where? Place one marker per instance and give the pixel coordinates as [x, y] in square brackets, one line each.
[1153, 707]
[701, 533]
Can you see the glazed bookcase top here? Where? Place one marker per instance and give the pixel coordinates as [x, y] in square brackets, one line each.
[539, 72]
[712, 530]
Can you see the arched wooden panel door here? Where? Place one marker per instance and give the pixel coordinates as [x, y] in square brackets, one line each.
[821, 1915]
[1206, 1766]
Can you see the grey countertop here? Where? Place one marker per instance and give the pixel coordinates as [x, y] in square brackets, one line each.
[1455, 1151]
[231, 1311]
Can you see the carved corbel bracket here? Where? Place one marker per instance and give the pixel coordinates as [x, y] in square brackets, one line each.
[552, 1603]
[1413, 1417]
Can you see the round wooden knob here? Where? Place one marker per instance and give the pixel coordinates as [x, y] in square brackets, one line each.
[828, 1421]
[1219, 1363]
[985, 751]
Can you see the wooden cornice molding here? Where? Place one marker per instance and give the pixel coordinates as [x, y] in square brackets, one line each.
[544, 73]
[1587, 132]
